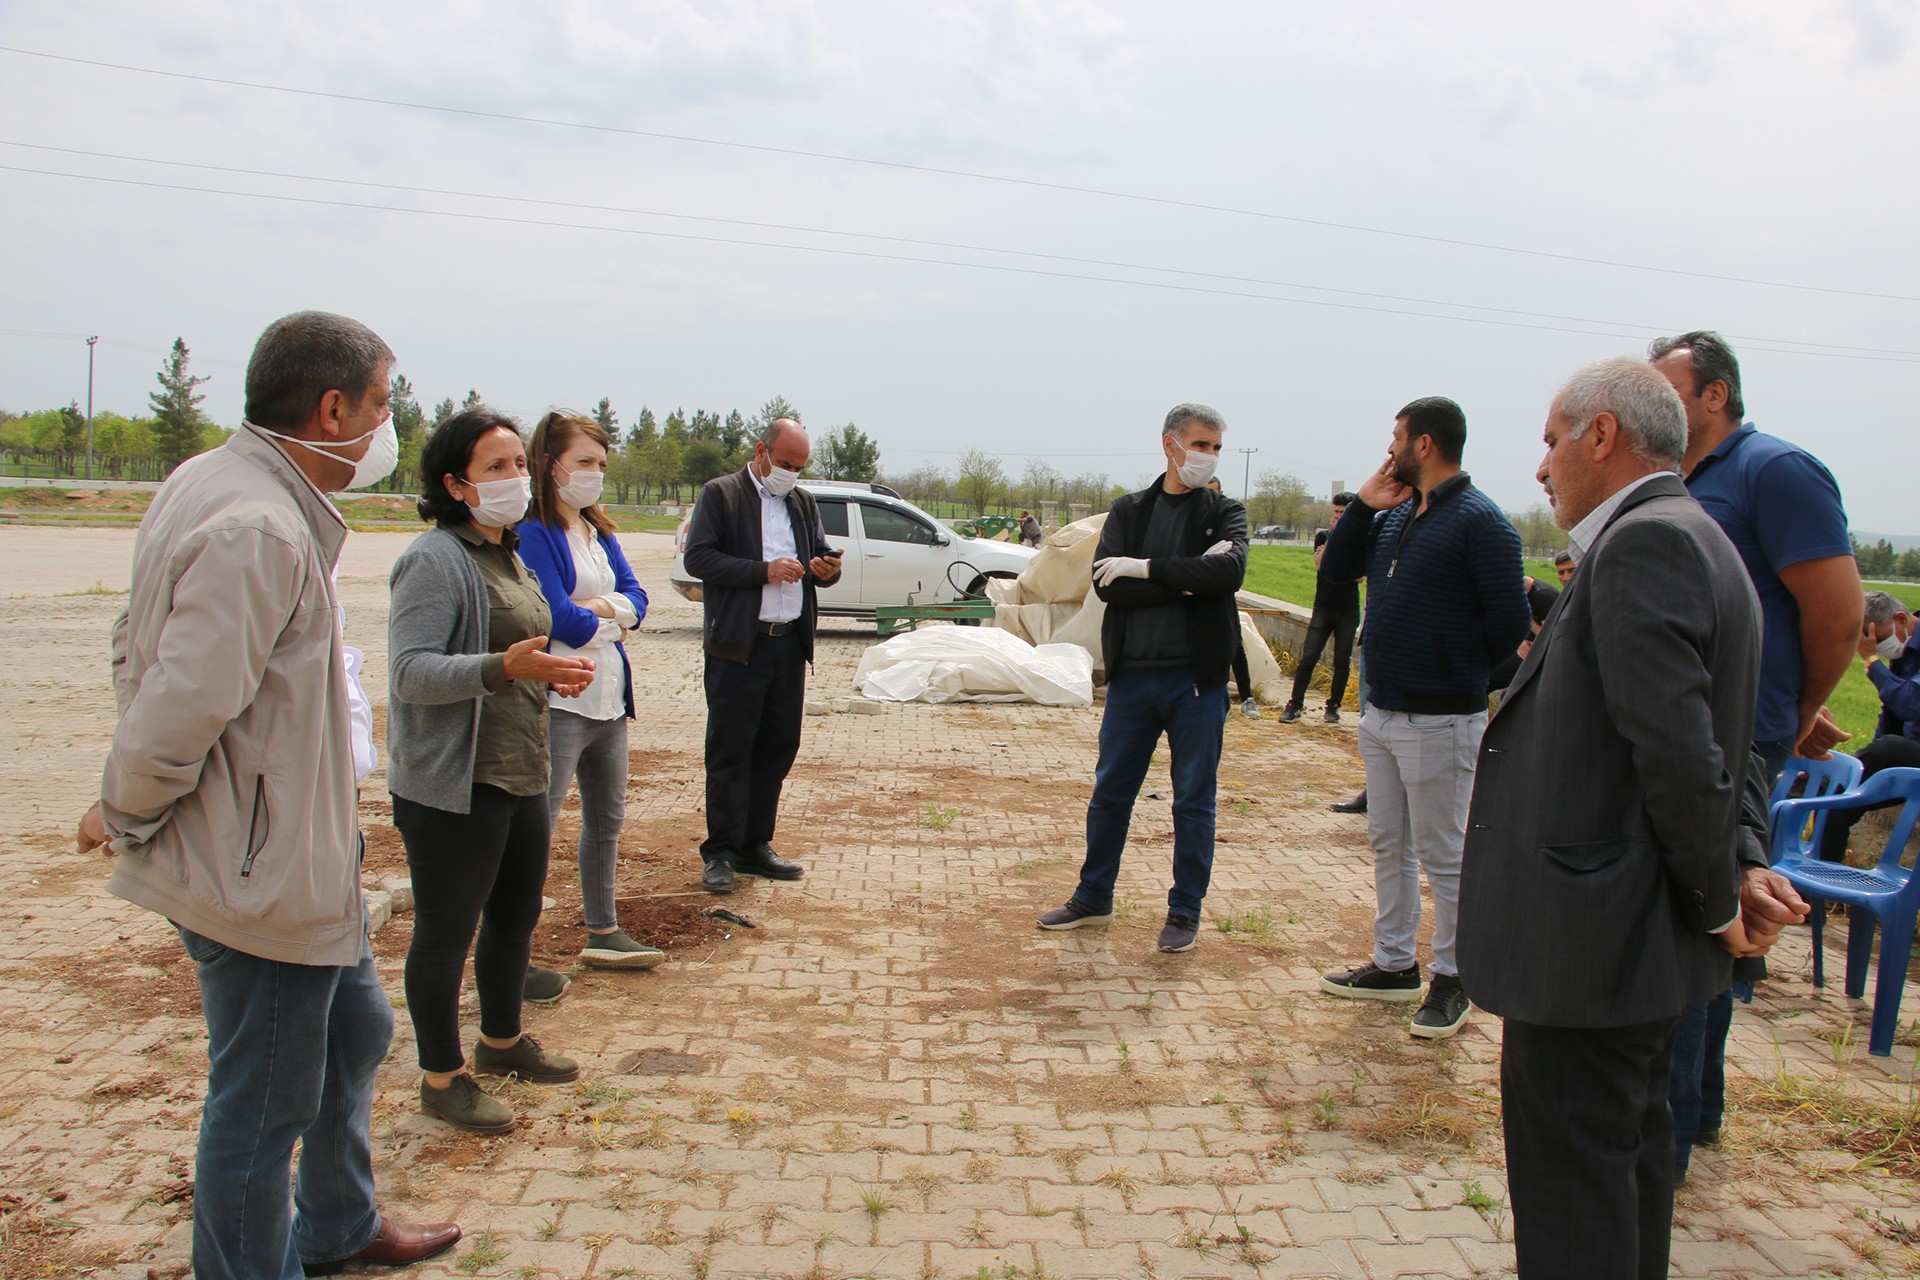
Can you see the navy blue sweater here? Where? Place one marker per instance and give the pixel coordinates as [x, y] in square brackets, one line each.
[1444, 596]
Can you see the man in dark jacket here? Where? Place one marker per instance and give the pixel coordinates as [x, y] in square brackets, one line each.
[1171, 559]
[1591, 916]
[1444, 603]
[756, 544]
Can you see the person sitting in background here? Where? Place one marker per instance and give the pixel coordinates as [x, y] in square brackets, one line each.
[1893, 664]
[1564, 564]
[569, 543]
[1336, 614]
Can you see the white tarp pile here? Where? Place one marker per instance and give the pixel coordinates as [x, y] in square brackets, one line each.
[1052, 601]
[974, 664]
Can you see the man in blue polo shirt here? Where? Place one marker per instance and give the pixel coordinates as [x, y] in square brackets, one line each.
[1782, 510]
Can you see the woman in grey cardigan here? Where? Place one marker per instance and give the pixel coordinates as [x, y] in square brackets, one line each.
[468, 762]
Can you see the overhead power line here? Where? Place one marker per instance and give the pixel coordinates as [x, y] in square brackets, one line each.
[1903, 358]
[968, 175]
[928, 244]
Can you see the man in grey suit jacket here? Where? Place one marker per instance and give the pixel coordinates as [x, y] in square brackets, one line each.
[1590, 917]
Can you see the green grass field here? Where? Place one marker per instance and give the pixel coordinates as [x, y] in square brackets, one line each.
[1286, 573]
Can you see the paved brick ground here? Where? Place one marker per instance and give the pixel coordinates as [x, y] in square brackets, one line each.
[895, 1074]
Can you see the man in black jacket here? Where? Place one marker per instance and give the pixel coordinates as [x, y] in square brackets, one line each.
[1171, 559]
[756, 544]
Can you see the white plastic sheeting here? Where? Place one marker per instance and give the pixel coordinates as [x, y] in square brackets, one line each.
[1052, 601]
[974, 664]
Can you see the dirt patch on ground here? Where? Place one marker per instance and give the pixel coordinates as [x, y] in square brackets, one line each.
[37, 1240]
[155, 979]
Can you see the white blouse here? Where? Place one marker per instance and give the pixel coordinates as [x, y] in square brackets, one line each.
[606, 697]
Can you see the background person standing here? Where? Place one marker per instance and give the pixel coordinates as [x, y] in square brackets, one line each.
[569, 543]
[1336, 616]
[759, 605]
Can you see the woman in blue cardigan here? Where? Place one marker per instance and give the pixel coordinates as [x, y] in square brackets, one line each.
[568, 541]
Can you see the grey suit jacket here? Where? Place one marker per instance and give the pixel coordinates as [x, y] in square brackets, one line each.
[1602, 839]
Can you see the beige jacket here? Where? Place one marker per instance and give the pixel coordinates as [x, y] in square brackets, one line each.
[229, 790]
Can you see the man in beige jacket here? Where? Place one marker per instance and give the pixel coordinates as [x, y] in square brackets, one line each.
[229, 799]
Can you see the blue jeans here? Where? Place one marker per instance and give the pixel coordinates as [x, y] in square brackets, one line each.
[292, 1050]
[1141, 705]
[1698, 1092]
[595, 750]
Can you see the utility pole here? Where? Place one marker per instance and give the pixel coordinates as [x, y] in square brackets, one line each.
[90, 342]
[1246, 475]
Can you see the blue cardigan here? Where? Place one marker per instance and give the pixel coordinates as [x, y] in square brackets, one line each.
[545, 550]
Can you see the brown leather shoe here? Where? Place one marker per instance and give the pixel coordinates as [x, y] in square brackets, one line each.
[399, 1244]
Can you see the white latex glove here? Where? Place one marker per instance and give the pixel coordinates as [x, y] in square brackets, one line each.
[1219, 548]
[1105, 571]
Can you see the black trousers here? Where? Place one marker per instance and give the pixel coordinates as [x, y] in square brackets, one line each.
[753, 734]
[1589, 1149]
[485, 868]
[1242, 674]
[1340, 626]
[1889, 752]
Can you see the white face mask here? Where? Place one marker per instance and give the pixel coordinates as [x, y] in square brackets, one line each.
[1891, 648]
[373, 466]
[502, 502]
[582, 488]
[779, 481]
[1197, 469]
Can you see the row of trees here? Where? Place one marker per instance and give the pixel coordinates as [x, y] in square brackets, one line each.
[1881, 561]
[54, 441]
[654, 459]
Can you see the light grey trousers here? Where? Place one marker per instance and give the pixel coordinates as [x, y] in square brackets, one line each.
[597, 751]
[1419, 781]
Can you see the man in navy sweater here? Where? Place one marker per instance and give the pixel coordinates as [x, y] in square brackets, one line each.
[1444, 603]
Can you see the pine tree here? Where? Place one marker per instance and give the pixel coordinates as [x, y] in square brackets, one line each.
[176, 408]
[609, 422]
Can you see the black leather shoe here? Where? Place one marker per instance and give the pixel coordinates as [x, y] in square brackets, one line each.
[718, 876]
[762, 861]
[1356, 805]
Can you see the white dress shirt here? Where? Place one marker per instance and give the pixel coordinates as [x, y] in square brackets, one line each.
[606, 697]
[779, 601]
[1582, 536]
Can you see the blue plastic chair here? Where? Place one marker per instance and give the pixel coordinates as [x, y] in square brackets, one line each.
[1887, 895]
[1838, 772]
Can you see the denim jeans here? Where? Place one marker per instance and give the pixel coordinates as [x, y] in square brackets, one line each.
[292, 1050]
[1698, 1090]
[597, 751]
[1142, 705]
[1419, 779]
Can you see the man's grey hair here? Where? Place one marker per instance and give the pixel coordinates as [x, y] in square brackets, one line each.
[771, 432]
[1640, 399]
[1181, 415]
[1563, 557]
[303, 356]
[1881, 607]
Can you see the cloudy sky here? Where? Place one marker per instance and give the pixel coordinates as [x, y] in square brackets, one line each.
[1025, 226]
